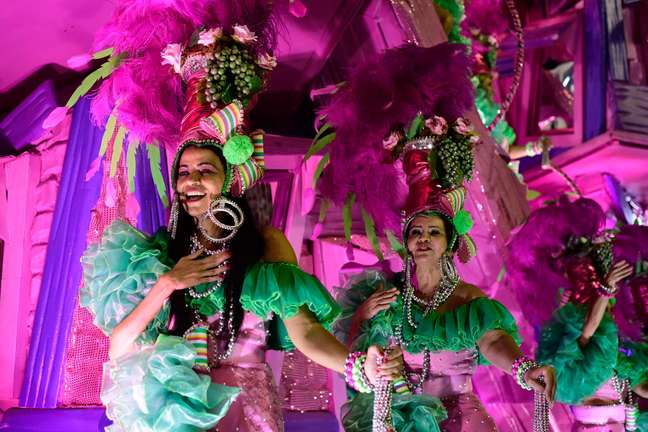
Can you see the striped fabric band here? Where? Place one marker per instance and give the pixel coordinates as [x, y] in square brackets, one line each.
[220, 124]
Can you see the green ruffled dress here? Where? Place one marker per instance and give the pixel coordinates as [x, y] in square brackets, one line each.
[446, 335]
[581, 371]
[585, 372]
[155, 387]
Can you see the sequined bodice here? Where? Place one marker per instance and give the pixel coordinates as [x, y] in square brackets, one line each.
[450, 371]
[251, 344]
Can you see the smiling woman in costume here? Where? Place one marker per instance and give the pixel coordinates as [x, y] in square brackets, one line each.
[590, 307]
[190, 312]
[400, 133]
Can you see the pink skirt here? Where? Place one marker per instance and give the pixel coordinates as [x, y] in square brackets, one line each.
[257, 408]
[466, 414]
[606, 418]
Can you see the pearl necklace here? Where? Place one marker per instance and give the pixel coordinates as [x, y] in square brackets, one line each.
[222, 324]
[443, 292]
[197, 246]
[213, 334]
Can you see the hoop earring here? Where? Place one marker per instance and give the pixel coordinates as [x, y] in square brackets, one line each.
[407, 269]
[222, 205]
[448, 269]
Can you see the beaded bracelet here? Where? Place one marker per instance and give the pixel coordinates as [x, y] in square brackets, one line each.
[519, 368]
[606, 291]
[348, 369]
[362, 380]
[354, 373]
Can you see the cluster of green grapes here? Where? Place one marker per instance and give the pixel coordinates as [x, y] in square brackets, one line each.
[602, 258]
[455, 155]
[232, 74]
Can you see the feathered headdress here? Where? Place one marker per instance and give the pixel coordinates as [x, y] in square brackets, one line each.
[631, 310]
[562, 247]
[181, 72]
[535, 265]
[400, 143]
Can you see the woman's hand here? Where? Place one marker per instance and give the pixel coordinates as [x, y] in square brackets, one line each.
[390, 367]
[193, 270]
[642, 389]
[542, 379]
[619, 271]
[378, 301]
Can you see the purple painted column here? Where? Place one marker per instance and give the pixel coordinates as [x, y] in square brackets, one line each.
[595, 75]
[153, 214]
[62, 274]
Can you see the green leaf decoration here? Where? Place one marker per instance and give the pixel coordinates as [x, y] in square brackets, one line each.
[325, 204]
[346, 213]
[131, 164]
[153, 152]
[415, 126]
[109, 131]
[532, 194]
[370, 231]
[501, 274]
[395, 244]
[103, 53]
[118, 146]
[319, 142]
[256, 83]
[325, 127]
[227, 95]
[433, 159]
[320, 168]
[89, 81]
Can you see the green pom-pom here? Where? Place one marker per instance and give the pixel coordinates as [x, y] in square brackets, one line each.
[238, 149]
[462, 222]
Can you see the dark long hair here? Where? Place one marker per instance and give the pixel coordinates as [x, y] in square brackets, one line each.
[246, 249]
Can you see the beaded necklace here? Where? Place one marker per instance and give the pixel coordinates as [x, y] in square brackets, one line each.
[203, 301]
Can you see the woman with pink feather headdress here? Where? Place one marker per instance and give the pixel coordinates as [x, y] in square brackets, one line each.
[402, 151]
[590, 308]
[191, 312]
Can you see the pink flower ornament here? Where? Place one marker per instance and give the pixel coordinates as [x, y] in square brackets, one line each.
[267, 61]
[463, 126]
[172, 55]
[391, 141]
[437, 125]
[243, 34]
[208, 37]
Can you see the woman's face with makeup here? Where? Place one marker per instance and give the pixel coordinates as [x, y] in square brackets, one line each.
[201, 175]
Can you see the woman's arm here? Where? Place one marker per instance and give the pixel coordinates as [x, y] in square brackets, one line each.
[642, 389]
[315, 342]
[500, 349]
[319, 345]
[595, 313]
[127, 331]
[188, 272]
[308, 335]
[378, 301]
[596, 309]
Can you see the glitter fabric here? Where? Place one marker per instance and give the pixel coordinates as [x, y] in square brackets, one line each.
[257, 408]
[87, 345]
[304, 384]
[450, 380]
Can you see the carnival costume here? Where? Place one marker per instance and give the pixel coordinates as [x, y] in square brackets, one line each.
[402, 145]
[214, 376]
[565, 244]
